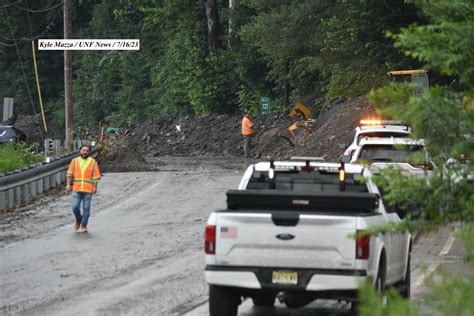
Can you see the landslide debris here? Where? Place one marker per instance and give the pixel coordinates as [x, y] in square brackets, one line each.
[219, 135]
[32, 125]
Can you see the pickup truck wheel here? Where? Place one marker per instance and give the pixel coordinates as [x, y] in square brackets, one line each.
[266, 299]
[380, 279]
[406, 284]
[222, 301]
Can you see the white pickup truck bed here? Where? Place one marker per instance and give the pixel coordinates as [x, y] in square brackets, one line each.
[291, 234]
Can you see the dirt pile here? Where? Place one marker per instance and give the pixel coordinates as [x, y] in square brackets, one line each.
[32, 126]
[219, 135]
[338, 128]
[207, 136]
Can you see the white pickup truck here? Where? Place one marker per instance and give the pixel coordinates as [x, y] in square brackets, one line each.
[287, 232]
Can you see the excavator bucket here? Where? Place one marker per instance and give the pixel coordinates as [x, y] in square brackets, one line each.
[300, 131]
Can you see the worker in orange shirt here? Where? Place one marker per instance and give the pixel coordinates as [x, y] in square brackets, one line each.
[247, 132]
[82, 177]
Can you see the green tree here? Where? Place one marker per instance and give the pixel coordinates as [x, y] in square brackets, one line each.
[444, 117]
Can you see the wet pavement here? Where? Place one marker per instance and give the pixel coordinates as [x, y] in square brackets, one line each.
[143, 253]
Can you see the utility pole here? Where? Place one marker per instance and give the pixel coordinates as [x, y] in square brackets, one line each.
[68, 77]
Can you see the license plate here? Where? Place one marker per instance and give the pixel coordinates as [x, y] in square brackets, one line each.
[285, 277]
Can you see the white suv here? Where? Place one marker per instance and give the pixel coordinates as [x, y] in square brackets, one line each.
[377, 128]
[408, 155]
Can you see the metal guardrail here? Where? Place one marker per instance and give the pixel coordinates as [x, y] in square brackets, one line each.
[20, 185]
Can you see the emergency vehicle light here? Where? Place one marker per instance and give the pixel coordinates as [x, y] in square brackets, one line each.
[371, 122]
[378, 122]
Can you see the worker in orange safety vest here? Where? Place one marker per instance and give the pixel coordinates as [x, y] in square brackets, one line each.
[247, 132]
[83, 173]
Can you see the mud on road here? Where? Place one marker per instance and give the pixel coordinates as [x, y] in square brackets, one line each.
[142, 255]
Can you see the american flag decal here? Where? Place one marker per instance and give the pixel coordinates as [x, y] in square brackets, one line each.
[228, 232]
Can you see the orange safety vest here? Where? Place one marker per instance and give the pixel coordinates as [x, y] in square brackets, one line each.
[247, 126]
[84, 173]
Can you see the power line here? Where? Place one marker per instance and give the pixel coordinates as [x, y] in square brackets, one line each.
[41, 10]
[22, 70]
[29, 19]
[9, 5]
[24, 38]
[32, 31]
[5, 44]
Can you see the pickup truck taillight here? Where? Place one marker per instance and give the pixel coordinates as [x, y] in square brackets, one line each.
[362, 246]
[210, 240]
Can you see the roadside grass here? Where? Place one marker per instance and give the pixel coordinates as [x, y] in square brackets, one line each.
[447, 294]
[16, 156]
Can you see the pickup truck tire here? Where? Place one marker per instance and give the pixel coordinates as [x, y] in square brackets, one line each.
[222, 301]
[380, 278]
[405, 292]
[264, 299]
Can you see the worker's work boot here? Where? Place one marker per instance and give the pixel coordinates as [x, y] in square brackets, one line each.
[77, 225]
[84, 228]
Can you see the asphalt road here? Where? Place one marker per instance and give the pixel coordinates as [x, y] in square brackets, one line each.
[143, 253]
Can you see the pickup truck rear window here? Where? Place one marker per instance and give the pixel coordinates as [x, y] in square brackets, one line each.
[391, 153]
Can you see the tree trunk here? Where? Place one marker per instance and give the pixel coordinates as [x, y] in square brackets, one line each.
[212, 26]
[232, 5]
[287, 84]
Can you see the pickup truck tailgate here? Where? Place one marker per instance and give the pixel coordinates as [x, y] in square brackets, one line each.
[286, 240]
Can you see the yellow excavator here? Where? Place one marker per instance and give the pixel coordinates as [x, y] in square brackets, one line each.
[419, 79]
[294, 133]
[300, 130]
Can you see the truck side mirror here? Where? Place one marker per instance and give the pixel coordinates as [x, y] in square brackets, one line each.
[345, 159]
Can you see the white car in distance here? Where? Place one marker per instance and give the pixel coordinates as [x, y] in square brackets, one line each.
[370, 128]
[408, 155]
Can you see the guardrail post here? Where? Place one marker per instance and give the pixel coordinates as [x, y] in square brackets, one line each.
[46, 183]
[58, 178]
[18, 195]
[33, 188]
[2, 200]
[11, 198]
[40, 186]
[26, 192]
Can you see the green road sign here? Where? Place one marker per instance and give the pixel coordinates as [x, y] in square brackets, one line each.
[265, 105]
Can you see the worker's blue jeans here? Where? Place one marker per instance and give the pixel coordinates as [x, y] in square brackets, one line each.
[85, 198]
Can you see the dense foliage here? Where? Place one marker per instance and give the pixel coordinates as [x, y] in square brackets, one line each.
[17, 156]
[444, 117]
[288, 50]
